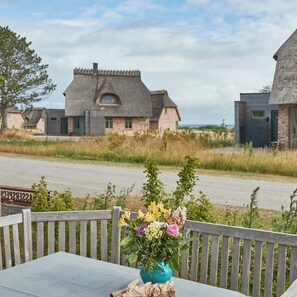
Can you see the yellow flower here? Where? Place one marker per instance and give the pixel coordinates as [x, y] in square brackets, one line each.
[122, 222]
[161, 206]
[152, 206]
[149, 217]
[140, 214]
[166, 213]
[126, 215]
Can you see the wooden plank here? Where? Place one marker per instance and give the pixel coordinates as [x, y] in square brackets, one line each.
[40, 239]
[71, 216]
[269, 269]
[244, 233]
[1, 261]
[195, 252]
[72, 237]
[235, 263]
[292, 291]
[293, 265]
[204, 258]
[257, 269]
[16, 244]
[27, 235]
[185, 261]
[11, 220]
[224, 262]
[103, 240]
[115, 236]
[61, 243]
[83, 238]
[214, 260]
[281, 270]
[246, 266]
[7, 251]
[93, 239]
[51, 237]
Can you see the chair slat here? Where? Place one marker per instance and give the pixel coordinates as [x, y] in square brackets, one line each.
[204, 258]
[103, 240]
[214, 260]
[72, 237]
[27, 235]
[194, 261]
[16, 244]
[185, 263]
[7, 251]
[293, 265]
[93, 239]
[61, 244]
[269, 269]
[281, 270]
[246, 266]
[257, 269]
[51, 237]
[115, 236]
[1, 261]
[224, 262]
[83, 238]
[235, 263]
[40, 239]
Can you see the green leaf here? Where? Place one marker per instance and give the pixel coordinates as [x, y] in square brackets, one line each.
[126, 240]
[132, 258]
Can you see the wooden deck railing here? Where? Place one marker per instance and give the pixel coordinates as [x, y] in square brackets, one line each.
[255, 262]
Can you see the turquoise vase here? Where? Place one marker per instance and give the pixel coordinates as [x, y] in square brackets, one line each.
[161, 273]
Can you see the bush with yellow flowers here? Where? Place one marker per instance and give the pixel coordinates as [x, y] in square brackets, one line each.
[154, 236]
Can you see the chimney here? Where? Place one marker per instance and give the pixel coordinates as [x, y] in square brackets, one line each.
[95, 68]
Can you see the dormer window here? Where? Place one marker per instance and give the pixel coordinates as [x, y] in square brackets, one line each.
[109, 99]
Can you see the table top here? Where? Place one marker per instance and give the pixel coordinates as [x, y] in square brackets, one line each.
[62, 274]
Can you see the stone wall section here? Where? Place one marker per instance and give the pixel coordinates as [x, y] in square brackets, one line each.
[138, 125]
[168, 119]
[284, 125]
[15, 121]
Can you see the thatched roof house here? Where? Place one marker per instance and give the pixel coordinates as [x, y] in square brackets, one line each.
[111, 100]
[165, 112]
[284, 92]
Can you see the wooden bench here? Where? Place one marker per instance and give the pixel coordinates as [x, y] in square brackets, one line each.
[254, 262]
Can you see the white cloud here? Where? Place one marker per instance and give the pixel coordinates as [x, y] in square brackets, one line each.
[203, 65]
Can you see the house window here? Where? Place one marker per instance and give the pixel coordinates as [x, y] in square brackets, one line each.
[128, 123]
[53, 119]
[109, 99]
[108, 123]
[257, 114]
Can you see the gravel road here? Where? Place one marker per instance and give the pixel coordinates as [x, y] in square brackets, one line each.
[88, 178]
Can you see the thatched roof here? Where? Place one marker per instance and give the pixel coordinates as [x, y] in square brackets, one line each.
[284, 88]
[160, 99]
[33, 115]
[88, 86]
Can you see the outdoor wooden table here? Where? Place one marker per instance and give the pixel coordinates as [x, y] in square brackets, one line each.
[62, 274]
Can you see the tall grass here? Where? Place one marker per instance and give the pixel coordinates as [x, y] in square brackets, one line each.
[169, 148]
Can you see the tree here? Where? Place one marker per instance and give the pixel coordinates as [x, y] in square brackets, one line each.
[266, 89]
[23, 79]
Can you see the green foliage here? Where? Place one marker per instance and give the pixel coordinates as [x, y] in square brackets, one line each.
[275, 150]
[44, 200]
[109, 198]
[251, 217]
[23, 79]
[186, 182]
[266, 89]
[200, 209]
[249, 149]
[230, 216]
[153, 189]
[288, 221]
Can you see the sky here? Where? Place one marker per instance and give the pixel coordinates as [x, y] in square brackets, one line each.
[203, 52]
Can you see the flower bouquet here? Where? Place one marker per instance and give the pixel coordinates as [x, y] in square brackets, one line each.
[155, 239]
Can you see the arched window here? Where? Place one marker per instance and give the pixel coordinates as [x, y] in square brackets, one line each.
[109, 99]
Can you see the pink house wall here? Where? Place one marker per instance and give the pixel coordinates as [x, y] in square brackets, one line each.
[138, 124]
[15, 121]
[168, 119]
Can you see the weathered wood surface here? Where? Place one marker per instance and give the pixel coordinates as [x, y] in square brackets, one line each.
[292, 291]
[146, 290]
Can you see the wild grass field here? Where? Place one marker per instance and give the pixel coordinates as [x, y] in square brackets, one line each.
[167, 148]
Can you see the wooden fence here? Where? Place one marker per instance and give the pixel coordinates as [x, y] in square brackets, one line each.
[255, 262]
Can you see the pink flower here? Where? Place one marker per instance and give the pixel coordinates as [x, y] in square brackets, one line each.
[172, 230]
